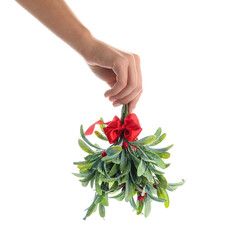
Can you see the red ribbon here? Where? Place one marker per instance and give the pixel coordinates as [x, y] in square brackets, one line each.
[131, 128]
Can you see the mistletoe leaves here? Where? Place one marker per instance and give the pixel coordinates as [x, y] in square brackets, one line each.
[173, 186]
[112, 152]
[86, 140]
[147, 206]
[160, 150]
[101, 210]
[101, 136]
[141, 168]
[85, 147]
[144, 141]
[125, 170]
[129, 191]
[97, 187]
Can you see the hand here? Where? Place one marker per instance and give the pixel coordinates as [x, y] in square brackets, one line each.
[119, 69]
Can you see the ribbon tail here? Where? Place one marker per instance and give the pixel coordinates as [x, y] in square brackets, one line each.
[90, 130]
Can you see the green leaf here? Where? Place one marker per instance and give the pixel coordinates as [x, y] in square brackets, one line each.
[158, 133]
[126, 170]
[150, 189]
[85, 184]
[91, 182]
[177, 184]
[88, 178]
[148, 160]
[159, 192]
[90, 211]
[97, 186]
[164, 155]
[85, 147]
[77, 175]
[98, 199]
[92, 157]
[160, 139]
[148, 175]
[102, 125]
[170, 188]
[101, 210]
[166, 197]
[101, 136]
[162, 180]
[155, 171]
[95, 144]
[135, 159]
[167, 165]
[114, 170]
[123, 160]
[116, 160]
[158, 161]
[129, 189]
[84, 167]
[157, 199]
[144, 141]
[147, 206]
[119, 197]
[95, 208]
[105, 170]
[141, 168]
[105, 201]
[161, 150]
[82, 163]
[100, 168]
[162, 193]
[112, 152]
[143, 191]
[114, 187]
[86, 140]
[133, 204]
[139, 207]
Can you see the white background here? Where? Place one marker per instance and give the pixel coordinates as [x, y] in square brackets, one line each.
[47, 92]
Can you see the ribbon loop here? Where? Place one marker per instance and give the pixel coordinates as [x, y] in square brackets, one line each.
[131, 128]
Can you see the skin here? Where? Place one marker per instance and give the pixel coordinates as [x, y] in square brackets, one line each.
[119, 69]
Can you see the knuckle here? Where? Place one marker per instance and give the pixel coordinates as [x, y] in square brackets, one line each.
[133, 85]
[122, 84]
[137, 58]
[140, 89]
[131, 58]
[124, 61]
[123, 101]
[120, 62]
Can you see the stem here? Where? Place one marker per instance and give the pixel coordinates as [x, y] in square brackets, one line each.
[124, 112]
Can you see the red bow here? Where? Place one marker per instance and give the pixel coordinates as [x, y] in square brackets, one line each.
[131, 128]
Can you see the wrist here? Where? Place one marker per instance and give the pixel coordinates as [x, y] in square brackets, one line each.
[84, 43]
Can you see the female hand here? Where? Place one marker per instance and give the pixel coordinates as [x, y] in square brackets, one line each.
[119, 69]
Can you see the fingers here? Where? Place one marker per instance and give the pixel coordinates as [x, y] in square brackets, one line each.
[120, 68]
[133, 103]
[132, 81]
[132, 92]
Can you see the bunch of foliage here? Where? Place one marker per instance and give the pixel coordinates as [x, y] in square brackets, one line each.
[126, 170]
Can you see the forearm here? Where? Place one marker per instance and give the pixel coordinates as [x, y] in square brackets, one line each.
[59, 18]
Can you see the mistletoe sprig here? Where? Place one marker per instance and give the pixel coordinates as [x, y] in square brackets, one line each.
[129, 167]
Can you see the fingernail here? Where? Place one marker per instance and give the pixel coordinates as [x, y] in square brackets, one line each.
[116, 104]
[106, 94]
